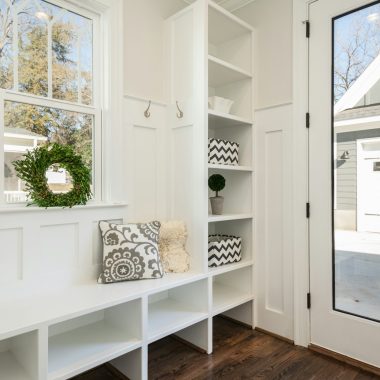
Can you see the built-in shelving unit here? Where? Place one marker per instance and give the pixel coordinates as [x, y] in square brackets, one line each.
[230, 75]
[60, 333]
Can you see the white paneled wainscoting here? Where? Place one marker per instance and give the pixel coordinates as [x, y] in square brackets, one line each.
[53, 246]
[274, 221]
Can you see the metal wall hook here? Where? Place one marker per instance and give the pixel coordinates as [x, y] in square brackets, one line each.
[147, 112]
[180, 112]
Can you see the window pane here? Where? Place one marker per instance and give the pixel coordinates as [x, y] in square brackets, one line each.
[27, 126]
[6, 36]
[46, 50]
[72, 58]
[357, 163]
[33, 52]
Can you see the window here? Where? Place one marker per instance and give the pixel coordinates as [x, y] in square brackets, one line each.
[48, 66]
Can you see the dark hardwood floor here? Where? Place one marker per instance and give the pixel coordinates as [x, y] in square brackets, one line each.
[239, 353]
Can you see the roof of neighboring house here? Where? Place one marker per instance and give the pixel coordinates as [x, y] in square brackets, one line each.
[23, 133]
[358, 113]
[362, 85]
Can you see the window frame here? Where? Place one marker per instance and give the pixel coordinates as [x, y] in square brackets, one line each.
[95, 109]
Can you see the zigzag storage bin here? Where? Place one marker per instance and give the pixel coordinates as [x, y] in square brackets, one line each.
[223, 152]
[223, 249]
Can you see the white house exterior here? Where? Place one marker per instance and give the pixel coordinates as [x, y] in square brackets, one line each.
[17, 141]
[357, 154]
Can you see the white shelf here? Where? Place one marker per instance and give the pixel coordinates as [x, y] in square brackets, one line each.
[222, 72]
[226, 217]
[226, 298]
[224, 26]
[10, 369]
[236, 168]
[169, 316]
[77, 350]
[222, 120]
[214, 271]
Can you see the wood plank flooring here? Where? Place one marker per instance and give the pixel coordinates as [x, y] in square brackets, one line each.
[239, 353]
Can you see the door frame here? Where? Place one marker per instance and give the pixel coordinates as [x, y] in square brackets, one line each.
[301, 234]
[301, 172]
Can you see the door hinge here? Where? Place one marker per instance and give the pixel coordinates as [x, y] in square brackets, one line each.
[308, 210]
[307, 120]
[307, 24]
[308, 300]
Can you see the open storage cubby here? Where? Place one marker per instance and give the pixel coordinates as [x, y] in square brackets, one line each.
[230, 39]
[237, 193]
[231, 289]
[76, 344]
[175, 309]
[19, 357]
[241, 228]
[239, 133]
[240, 92]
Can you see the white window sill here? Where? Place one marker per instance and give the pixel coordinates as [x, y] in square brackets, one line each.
[13, 208]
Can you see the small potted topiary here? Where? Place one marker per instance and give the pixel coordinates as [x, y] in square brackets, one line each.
[217, 183]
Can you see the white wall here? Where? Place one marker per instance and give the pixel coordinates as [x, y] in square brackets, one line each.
[144, 62]
[273, 22]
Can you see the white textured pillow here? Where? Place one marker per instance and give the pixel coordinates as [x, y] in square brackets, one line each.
[130, 252]
[173, 236]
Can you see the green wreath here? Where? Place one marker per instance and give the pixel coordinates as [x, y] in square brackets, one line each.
[32, 169]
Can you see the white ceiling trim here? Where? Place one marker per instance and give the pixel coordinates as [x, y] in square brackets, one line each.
[230, 5]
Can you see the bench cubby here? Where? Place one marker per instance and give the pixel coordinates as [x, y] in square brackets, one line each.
[175, 309]
[76, 344]
[19, 357]
[231, 289]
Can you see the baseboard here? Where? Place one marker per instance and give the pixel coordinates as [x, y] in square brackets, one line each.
[345, 359]
[287, 340]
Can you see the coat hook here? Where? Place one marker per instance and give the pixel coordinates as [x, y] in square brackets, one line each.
[147, 112]
[180, 112]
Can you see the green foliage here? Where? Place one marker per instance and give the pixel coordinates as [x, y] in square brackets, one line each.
[32, 169]
[216, 183]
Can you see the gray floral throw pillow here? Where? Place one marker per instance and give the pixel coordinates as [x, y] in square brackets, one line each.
[130, 252]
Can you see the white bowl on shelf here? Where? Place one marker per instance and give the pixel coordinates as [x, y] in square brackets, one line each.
[220, 104]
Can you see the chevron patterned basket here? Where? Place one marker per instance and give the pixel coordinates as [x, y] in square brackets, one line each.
[223, 152]
[223, 249]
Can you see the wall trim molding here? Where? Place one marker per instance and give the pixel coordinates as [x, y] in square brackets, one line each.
[145, 100]
[300, 175]
[276, 105]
